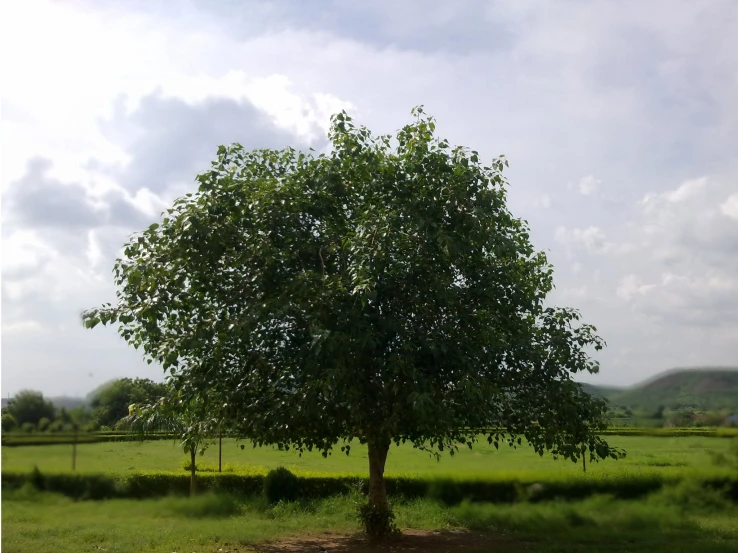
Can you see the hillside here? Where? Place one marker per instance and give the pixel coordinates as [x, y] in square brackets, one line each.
[707, 388]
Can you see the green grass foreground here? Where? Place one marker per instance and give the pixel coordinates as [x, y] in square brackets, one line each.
[682, 519]
[676, 512]
[644, 453]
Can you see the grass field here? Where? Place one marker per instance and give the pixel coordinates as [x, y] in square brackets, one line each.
[644, 453]
[676, 521]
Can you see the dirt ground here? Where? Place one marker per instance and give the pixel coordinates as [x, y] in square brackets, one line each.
[410, 541]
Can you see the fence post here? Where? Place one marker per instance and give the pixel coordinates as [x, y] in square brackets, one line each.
[74, 449]
[220, 450]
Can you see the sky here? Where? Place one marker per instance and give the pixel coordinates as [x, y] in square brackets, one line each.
[619, 120]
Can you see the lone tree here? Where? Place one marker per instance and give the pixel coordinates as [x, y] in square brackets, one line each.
[382, 292]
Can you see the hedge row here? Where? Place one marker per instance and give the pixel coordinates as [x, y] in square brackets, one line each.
[14, 440]
[673, 432]
[451, 491]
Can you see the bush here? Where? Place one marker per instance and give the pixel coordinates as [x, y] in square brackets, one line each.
[28, 427]
[186, 464]
[280, 485]
[8, 422]
[203, 506]
[378, 522]
[43, 424]
[447, 492]
[36, 479]
[92, 426]
[123, 425]
[690, 495]
[56, 426]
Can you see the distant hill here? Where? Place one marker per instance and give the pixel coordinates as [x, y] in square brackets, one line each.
[601, 391]
[701, 388]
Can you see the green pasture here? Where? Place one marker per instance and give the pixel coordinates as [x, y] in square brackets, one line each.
[679, 520]
[643, 453]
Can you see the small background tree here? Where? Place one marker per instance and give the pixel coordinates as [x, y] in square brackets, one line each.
[29, 406]
[382, 292]
[169, 414]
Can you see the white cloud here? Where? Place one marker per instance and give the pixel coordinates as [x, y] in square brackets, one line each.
[589, 185]
[686, 190]
[643, 98]
[21, 327]
[729, 208]
[632, 285]
[592, 239]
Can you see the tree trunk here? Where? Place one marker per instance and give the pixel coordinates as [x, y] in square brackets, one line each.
[377, 460]
[193, 475]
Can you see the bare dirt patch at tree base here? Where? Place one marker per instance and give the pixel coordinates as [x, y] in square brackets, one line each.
[410, 541]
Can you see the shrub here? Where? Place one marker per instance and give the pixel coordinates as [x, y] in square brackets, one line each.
[36, 479]
[56, 426]
[92, 426]
[123, 424]
[8, 422]
[186, 464]
[377, 521]
[447, 492]
[280, 485]
[28, 427]
[690, 495]
[43, 424]
[203, 506]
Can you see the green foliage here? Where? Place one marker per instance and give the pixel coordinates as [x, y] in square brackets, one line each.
[691, 495]
[505, 489]
[208, 505]
[703, 389]
[92, 426]
[175, 415]
[728, 459]
[29, 406]
[43, 424]
[56, 426]
[378, 293]
[377, 520]
[52, 524]
[280, 485]
[110, 402]
[672, 432]
[8, 422]
[27, 427]
[60, 436]
[448, 492]
[36, 479]
[186, 464]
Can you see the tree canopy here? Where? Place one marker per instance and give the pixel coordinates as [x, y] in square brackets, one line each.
[110, 401]
[29, 406]
[380, 292]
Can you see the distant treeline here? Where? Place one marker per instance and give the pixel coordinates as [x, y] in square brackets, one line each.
[106, 407]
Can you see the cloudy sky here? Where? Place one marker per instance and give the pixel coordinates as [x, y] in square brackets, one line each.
[620, 121]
